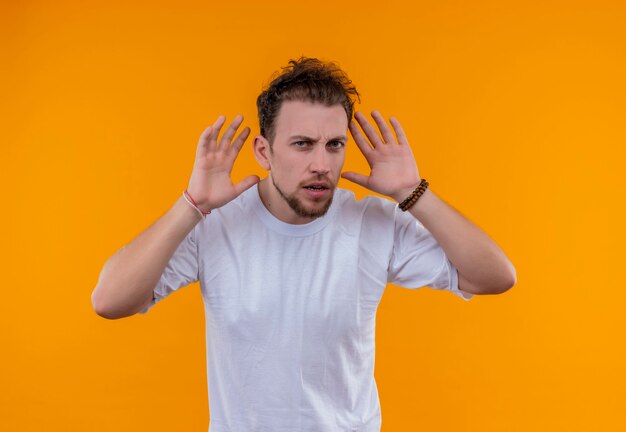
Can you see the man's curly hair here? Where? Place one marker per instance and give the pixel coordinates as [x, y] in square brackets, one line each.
[306, 79]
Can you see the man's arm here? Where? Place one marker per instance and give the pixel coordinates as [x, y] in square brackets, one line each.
[483, 267]
[128, 278]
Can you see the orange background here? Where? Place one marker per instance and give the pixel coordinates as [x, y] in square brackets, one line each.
[515, 112]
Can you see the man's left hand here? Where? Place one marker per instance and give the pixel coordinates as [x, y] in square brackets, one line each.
[393, 169]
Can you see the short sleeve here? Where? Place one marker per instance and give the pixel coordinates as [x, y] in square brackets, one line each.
[417, 259]
[180, 271]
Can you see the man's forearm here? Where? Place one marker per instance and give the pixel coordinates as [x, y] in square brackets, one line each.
[475, 255]
[129, 276]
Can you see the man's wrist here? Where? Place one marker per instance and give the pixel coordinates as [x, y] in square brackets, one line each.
[190, 209]
[199, 207]
[404, 193]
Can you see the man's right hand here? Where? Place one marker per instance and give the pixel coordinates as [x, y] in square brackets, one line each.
[210, 184]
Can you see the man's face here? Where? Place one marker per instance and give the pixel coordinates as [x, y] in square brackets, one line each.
[307, 156]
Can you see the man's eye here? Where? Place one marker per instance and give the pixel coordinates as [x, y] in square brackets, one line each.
[335, 144]
[301, 144]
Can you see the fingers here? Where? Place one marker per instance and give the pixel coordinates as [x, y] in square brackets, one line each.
[241, 138]
[384, 129]
[246, 183]
[208, 138]
[360, 140]
[217, 126]
[369, 130]
[357, 178]
[203, 142]
[230, 132]
[399, 131]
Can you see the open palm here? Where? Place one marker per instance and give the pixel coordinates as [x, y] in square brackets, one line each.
[210, 184]
[392, 165]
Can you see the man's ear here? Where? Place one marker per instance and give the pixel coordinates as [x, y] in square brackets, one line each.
[262, 151]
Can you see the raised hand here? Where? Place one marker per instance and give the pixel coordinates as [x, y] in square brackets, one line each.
[393, 169]
[210, 184]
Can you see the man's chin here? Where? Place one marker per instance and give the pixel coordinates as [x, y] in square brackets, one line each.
[312, 207]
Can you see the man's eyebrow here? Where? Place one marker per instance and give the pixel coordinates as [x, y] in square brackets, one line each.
[306, 138]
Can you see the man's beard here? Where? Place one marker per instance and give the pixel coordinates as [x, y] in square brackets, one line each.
[296, 205]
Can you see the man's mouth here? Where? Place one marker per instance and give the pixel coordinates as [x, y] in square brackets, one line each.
[317, 186]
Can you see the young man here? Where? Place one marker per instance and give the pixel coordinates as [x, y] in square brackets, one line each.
[292, 268]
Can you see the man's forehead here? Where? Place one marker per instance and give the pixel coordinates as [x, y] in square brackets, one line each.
[311, 119]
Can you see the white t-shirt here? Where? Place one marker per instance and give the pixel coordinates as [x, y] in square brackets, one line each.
[290, 310]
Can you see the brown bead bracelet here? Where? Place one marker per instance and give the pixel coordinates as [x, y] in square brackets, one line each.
[412, 199]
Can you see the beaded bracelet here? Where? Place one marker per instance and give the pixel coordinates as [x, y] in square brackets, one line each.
[193, 204]
[412, 199]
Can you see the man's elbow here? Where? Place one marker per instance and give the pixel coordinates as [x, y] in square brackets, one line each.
[99, 309]
[495, 285]
[507, 285]
[105, 311]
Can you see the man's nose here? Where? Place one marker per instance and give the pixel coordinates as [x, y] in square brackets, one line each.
[319, 161]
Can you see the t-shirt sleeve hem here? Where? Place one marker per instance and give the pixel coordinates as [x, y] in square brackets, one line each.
[156, 298]
[454, 284]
